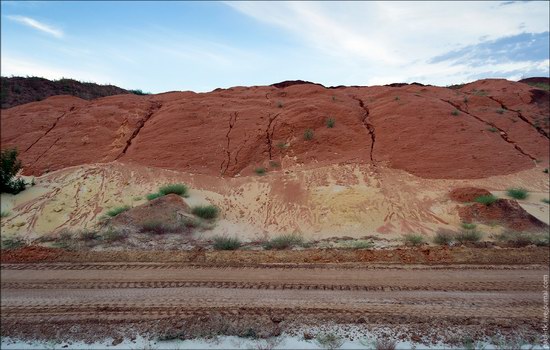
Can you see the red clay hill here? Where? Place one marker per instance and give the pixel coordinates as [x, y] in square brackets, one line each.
[484, 128]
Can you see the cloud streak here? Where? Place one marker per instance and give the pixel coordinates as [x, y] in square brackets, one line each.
[32, 23]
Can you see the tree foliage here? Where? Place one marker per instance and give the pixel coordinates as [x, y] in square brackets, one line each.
[9, 168]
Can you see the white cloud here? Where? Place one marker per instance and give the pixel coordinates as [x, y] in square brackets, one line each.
[30, 22]
[384, 42]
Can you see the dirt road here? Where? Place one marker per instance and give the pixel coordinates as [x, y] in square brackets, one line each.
[64, 294]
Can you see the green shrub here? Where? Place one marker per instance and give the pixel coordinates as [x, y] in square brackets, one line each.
[226, 243]
[468, 236]
[492, 129]
[12, 243]
[155, 226]
[543, 86]
[88, 235]
[206, 211]
[112, 235]
[487, 200]
[500, 111]
[139, 92]
[517, 193]
[260, 170]
[284, 242]
[308, 135]
[330, 123]
[544, 200]
[455, 112]
[479, 92]
[4, 213]
[329, 341]
[545, 171]
[282, 145]
[117, 210]
[152, 196]
[444, 237]
[413, 239]
[468, 226]
[279, 104]
[9, 168]
[522, 239]
[179, 189]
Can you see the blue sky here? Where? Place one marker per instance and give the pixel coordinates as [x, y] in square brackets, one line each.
[199, 46]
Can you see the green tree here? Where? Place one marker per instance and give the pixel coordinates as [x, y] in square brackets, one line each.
[9, 168]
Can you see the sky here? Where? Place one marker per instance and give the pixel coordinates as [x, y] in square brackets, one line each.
[200, 46]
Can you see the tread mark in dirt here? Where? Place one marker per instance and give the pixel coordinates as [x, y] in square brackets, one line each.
[232, 121]
[502, 133]
[470, 287]
[367, 124]
[155, 106]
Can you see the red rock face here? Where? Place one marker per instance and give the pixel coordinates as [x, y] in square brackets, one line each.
[506, 211]
[486, 128]
[467, 194]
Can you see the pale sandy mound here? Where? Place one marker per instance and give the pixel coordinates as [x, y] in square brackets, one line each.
[346, 200]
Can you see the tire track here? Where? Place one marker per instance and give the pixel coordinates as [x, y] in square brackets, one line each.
[472, 286]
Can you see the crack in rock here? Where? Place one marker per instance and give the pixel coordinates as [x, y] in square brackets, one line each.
[269, 135]
[51, 128]
[502, 133]
[140, 124]
[232, 122]
[538, 128]
[367, 125]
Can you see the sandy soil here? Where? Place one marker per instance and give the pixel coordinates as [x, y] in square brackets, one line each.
[345, 200]
[73, 299]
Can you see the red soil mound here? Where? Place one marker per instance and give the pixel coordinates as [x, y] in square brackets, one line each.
[486, 128]
[167, 210]
[467, 194]
[505, 211]
[30, 254]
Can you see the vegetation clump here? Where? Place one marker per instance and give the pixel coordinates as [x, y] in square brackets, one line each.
[152, 196]
[179, 189]
[330, 123]
[517, 193]
[329, 341]
[260, 170]
[226, 243]
[4, 213]
[487, 200]
[206, 211]
[284, 242]
[455, 112]
[522, 239]
[468, 236]
[468, 226]
[155, 226]
[9, 168]
[12, 243]
[444, 237]
[308, 135]
[117, 210]
[413, 239]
